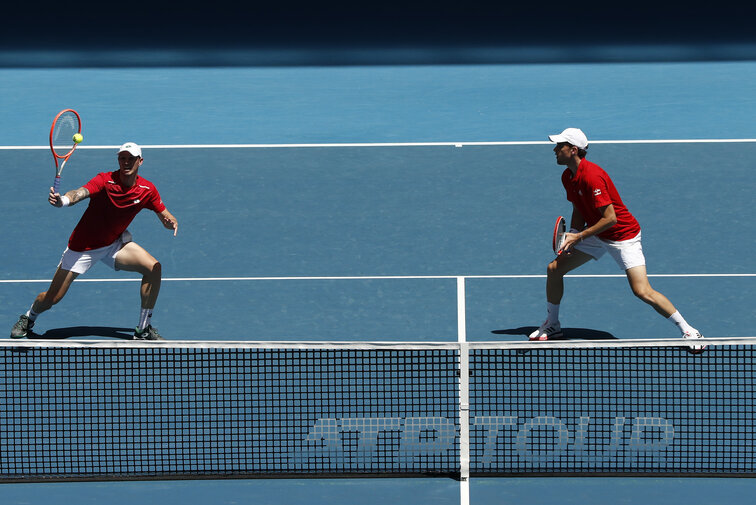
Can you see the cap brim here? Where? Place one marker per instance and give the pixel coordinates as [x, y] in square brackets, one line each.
[557, 139]
[131, 152]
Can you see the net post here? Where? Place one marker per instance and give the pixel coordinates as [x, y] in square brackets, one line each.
[464, 395]
[461, 311]
[464, 423]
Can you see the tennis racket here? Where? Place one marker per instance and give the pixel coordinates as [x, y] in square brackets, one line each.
[65, 125]
[560, 228]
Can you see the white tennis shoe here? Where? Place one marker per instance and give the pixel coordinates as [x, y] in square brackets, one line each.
[546, 331]
[694, 334]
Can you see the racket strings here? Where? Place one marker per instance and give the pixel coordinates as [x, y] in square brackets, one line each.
[65, 127]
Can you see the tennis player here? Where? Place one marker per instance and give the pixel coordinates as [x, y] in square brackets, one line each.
[600, 223]
[115, 198]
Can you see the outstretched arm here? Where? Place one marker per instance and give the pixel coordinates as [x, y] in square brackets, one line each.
[168, 221]
[70, 198]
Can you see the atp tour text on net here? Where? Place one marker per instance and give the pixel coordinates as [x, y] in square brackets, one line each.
[536, 440]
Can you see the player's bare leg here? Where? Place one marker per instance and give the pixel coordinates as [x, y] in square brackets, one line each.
[133, 258]
[557, 269]
[61, 281]
[555, 272]
[642, 289]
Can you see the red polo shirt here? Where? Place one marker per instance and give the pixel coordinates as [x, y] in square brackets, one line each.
[592, 188]
[111, 209]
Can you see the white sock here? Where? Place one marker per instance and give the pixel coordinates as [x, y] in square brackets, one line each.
[680, 322]
[145, 318]
[552, 311]
[31, 314]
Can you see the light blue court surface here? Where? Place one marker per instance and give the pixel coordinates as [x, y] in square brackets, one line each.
[426, 214]
[533, 491]
[385, 103]
[307, 243]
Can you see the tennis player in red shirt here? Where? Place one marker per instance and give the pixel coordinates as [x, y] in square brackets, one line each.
[115, 198]
[600, 223]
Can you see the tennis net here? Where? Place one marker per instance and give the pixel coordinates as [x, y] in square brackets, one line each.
[94, 410]
[616, 410]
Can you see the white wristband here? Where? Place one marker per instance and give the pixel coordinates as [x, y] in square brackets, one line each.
[65, 201]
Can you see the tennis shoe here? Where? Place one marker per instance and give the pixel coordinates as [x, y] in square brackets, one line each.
[22, 327]
[149, 333]
[546, 331]
[694, 334]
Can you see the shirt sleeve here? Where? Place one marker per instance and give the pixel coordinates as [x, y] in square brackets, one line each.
[597, 191]
[96, 184]
[155, 202]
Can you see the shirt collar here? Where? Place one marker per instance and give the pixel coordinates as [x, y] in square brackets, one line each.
[580, 169]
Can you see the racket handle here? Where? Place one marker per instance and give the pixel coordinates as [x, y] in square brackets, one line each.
[56, 184]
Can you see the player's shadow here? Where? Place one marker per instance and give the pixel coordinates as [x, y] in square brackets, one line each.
[569, 333]
[84, 331]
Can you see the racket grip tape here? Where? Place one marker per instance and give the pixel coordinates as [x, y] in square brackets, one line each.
[56, 184]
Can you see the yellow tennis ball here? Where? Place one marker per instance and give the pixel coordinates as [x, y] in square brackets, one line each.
[77, 137]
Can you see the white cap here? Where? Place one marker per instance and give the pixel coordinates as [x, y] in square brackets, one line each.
[131, 147]
[573, 136]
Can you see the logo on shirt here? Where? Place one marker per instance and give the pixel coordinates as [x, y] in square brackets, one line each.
[596, 192]
[136, 201]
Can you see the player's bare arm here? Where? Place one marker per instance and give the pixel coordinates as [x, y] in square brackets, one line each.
[73, 196]
[608, 219]
[577, 222]
[168, 221]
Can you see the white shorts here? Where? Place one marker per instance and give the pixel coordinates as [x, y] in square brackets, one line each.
[627, 253]
[81, 261]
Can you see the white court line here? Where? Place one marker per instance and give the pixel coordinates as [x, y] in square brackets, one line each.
[394, 144]
[375, 277]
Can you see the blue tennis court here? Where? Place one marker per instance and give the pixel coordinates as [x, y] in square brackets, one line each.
[344, 202]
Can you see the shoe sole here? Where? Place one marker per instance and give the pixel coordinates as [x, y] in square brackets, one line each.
[697, 351]
[701, 348]
[546, 337]
[26, 334]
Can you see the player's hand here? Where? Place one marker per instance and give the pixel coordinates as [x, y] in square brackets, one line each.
[171, 223]
[570, 239]
[168, 221]
[54, 198]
